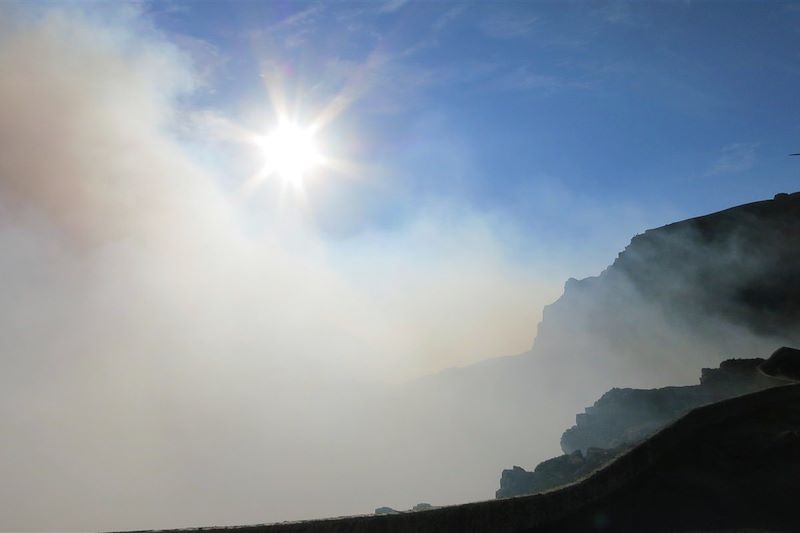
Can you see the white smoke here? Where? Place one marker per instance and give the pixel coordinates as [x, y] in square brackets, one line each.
[161, 364]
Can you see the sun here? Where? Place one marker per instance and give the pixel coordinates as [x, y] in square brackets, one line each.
[290, 153]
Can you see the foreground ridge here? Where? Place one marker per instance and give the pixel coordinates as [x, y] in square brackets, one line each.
[622, 418]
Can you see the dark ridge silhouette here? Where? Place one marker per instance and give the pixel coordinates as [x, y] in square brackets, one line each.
[622, 418]
[626, 416]
[737, 266]
[784, 363]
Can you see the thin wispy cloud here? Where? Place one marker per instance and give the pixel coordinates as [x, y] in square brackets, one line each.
[301, 17]
[508, 25]
[296, 29]
[526, 78]
[387, 84]
[618, 12]
[734, 158]
[390, 6]
[446, 18]
[208, 61]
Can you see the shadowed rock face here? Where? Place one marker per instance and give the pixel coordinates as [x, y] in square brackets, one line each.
[555, 472]
[784, 363]
[627, 416]
[739, 264]
[737, 470]
[622, 418]
[680, 297]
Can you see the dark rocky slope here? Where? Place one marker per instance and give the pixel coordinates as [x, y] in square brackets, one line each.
[622, 418]
[739, 468]
[626, 416]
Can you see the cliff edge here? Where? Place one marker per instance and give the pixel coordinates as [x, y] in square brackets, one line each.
[623, 418]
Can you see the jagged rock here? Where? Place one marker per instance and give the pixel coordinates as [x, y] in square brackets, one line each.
[554, 472]
[422, 507]
[515, 481]
[622, 418]
[784, 363]
[732, 373]
[689, 293]
[627, 416]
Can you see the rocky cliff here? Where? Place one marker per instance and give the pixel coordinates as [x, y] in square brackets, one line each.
[626, 416]
[681, 297]
[622, 418]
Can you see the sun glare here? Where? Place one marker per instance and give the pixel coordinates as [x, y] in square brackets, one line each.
[290, 153]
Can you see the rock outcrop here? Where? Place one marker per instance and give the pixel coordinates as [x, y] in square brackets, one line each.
[627, 416]
[680, 297]
[622, 418]
[555, 472]
[633, 326]
[784, 363]
[418, 507]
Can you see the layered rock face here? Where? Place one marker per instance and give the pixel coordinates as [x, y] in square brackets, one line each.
[622, 418]
[627, 416]
[555, 472]
[733, 465]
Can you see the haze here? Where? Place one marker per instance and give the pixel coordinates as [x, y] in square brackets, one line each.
[184, 345]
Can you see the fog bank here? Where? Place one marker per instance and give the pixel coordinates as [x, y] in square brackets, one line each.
[164, 365]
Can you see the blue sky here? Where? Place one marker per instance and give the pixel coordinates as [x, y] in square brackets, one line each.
[534, 110]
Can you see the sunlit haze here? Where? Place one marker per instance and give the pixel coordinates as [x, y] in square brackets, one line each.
[254, 252]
